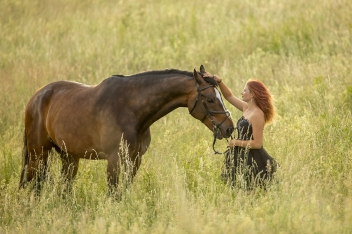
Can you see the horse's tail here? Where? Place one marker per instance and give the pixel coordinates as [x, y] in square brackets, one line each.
[25, 161]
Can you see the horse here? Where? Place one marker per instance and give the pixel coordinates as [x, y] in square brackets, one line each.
[89, 121]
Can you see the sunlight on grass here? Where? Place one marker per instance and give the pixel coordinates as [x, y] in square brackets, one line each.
[300, 49]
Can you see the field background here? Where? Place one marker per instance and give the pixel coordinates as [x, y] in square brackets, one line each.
[300, 49]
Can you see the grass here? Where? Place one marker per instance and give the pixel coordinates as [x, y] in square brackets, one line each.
[300, 49]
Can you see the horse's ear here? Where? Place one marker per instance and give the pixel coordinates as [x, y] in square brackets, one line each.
[196, 76]
[202, 69]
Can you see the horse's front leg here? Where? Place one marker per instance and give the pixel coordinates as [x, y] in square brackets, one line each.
[129, 169]
[69, 171]
[113, 172]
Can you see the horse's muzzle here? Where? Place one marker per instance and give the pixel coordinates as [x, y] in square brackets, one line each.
[229, 132]
[219, 134]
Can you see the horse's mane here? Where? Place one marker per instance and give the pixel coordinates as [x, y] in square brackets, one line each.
[169, 71]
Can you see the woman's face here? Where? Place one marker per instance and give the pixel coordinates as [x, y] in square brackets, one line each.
[246, 94]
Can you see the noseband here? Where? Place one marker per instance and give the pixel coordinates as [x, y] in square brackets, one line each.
[209, 113]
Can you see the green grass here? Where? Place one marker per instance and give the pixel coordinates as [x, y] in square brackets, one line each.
[300, 49]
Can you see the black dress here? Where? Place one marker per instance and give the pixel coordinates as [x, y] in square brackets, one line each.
[246, 167]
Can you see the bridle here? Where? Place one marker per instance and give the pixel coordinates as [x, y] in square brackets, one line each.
[209, 113]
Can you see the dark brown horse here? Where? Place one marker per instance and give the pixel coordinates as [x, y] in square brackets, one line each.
[89, 122]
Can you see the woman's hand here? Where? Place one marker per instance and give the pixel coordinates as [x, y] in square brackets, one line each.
[232, 143]
[217, 79]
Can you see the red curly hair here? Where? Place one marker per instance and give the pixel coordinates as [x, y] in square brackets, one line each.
[263, 99]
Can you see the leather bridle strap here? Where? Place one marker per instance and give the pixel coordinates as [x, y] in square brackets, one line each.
[209, 113]
[198, 96]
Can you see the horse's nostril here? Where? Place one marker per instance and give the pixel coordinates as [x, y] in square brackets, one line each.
[229, 131]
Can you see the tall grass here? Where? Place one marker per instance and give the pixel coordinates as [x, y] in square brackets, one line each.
[300, 49]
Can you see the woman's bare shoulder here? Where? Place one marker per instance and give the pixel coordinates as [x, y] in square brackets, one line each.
[257, 116]
[258, 112]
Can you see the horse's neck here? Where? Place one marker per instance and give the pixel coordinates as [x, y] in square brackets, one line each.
[162, 97]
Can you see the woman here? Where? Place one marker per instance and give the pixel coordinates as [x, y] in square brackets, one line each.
[247, 162]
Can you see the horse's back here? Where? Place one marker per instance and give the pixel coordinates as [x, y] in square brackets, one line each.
[42, 99]
[57, 110]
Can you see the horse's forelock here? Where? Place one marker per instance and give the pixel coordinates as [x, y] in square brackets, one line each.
[211, 81]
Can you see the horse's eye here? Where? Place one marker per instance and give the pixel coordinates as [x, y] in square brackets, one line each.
[210, 100]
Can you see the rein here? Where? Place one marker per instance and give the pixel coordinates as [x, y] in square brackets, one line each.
[209, 113]
[217, 152]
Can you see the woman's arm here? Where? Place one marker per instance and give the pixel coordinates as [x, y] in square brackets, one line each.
[257, 121]
[226, 92]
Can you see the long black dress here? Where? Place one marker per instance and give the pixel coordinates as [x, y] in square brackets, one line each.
[245, 167]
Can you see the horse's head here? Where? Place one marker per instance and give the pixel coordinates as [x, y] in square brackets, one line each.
[207, 105]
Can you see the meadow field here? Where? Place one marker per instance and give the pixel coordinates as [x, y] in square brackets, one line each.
[302, 51]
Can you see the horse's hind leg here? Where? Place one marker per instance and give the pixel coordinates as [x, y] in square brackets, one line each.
[37, 143]
[35, 165]
[69, 170]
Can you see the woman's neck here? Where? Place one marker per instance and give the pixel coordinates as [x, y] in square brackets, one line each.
[251, 105]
